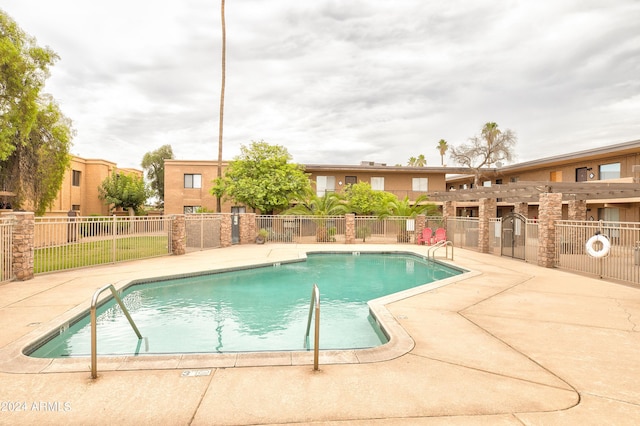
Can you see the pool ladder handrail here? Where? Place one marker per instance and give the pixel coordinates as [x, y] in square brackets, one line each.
[431, 253]
[94, 343]
[315, 302]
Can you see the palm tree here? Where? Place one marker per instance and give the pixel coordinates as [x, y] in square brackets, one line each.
[490, 132]
[405, 208]
[412, 161]
[421, 161]
[224, 66]
[330, 204]
[442, 147]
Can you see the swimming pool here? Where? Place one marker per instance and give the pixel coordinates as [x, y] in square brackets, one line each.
[257, 309]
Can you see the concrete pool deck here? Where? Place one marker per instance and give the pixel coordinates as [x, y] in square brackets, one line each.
[511, 344]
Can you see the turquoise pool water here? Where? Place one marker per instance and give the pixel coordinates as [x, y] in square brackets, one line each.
[258, 309]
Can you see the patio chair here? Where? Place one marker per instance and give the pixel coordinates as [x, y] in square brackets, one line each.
[425, 237]
[441, 235]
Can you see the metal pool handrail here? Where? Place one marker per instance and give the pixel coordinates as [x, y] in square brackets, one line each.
[315, 300]
[445, 244]
[94, 344]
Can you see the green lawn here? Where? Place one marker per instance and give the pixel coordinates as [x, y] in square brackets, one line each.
[97, 252]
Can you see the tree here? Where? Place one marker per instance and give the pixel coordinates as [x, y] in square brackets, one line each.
[263, 178]
[491, 146]
[153, 164]
[363, 200]
[406, 208]
[412, 161]
[126, 191]
[442, 148]
[35, 137]
[421, 161]
[223, 78]
[330, 204]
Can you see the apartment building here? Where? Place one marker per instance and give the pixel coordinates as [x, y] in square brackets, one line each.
[79, 190]
[188, 182]
[600, 168]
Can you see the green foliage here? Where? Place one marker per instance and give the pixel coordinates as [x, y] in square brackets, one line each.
[153, 164]
[406, 208]
[442, 148]
[263, 178]
[330, 204]
[363, 200]
[35, 137]
[122, 190]
[419, 161]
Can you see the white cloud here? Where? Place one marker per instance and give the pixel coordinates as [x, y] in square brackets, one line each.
[340, 82]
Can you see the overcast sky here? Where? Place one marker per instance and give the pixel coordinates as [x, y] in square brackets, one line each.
[340, 81]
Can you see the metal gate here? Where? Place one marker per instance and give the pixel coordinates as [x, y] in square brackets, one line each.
[514, 228]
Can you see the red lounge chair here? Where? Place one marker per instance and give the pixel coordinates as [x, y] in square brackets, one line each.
[425, 237]
[441, 235]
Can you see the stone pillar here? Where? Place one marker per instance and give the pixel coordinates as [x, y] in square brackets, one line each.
[225, 230]
[521, 208]
[350, 228]
[448, 209]
[248, 232]
[577, 210]
[486, 211]
[178, 235]
[550, 211]
[23, 245]
[421, 221]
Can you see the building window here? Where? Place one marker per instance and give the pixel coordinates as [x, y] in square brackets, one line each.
[610, 171]
[514, 179]
[325, 184]
[75, 207]
[350, 180]
[486, 183]
[556, 176]
[420, 184]
[192, 181]
[498, 181]
[377, 183]
[76, 178]
[191, 209]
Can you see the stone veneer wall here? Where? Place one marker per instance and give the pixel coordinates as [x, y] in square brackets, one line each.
[178, 235]
[225, 231]
[521, 208]
[248, 231]
[350, 228]
[487, 210]
[577, 210]
[550, 211]
[22, 249]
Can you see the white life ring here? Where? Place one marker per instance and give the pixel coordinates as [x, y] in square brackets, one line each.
[606, 245]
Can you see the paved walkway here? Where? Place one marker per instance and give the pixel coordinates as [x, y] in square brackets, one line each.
[512, 344]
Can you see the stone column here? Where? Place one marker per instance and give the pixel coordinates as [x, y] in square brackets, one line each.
[486, 211]
[178, 235]
[248, 231]
[448, 209]
[521, 208]
[23, 244]
[550, 211]
[421, 221]
[225, 230]
[350, 228]
[577, 210]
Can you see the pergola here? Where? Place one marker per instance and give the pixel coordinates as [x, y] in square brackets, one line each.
[522, 192]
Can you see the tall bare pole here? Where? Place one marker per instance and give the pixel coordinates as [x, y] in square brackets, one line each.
[224, 69]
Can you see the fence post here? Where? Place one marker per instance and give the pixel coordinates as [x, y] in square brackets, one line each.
[349, 228]
[550, 211]
[248, 231]
[225, 230]
[22, 247]
[487, 210]
[178, 235]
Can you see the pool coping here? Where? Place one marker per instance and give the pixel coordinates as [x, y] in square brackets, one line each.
[400, 342]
